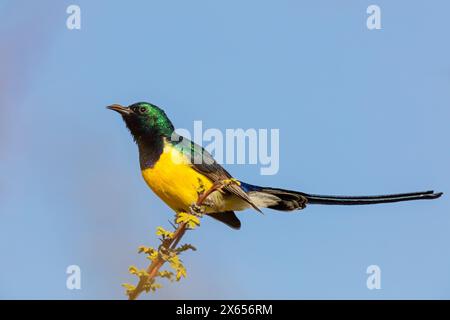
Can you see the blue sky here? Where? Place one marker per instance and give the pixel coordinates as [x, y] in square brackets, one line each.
[359, 112]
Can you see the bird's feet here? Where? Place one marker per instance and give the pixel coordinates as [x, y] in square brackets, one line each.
[196, 209]
[227, 182]
[217, 186]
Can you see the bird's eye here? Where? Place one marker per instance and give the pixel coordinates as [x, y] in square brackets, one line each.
[142, 110]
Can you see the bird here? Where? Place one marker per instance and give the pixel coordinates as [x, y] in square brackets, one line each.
[176, 168]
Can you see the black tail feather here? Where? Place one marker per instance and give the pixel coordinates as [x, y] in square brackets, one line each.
[360, 200]
[287, 200]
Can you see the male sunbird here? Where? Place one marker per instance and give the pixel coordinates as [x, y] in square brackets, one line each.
[176, 169]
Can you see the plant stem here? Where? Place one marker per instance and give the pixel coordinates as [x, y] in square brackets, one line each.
[154, 267]
[171, 244]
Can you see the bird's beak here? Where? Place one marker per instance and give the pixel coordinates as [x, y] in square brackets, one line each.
[120, 109]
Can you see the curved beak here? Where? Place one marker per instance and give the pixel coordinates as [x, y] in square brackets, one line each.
[120, 109]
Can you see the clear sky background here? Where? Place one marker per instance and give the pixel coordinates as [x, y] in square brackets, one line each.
[359, 112]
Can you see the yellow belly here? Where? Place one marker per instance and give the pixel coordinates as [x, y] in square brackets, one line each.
[174, 181]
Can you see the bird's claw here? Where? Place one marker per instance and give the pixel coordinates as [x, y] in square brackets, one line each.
[230, 181]
[208, 203]
[226, 182]
[199, 207]
[196, 209]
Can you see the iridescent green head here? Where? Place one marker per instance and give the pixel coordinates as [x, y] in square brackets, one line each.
[145, 119]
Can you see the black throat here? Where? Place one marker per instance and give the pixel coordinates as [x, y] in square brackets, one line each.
[151, 146]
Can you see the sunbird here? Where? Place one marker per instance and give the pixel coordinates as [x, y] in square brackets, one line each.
[171, 168]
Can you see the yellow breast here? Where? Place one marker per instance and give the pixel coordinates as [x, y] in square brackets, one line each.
[174, 181]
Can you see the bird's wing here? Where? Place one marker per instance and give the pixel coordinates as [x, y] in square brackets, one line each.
[203, 162]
